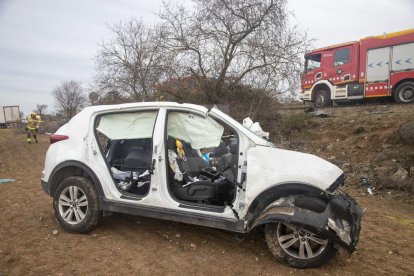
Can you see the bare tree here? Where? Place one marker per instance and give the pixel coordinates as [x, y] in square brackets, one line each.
[210, 48]
[132, 62]
[41, 108]
[235, 41]
[69, 98]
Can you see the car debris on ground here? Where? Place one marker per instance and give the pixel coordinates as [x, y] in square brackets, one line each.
[6, 180]
[319, 113]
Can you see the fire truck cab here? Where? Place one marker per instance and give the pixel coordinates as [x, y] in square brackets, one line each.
[380, 66]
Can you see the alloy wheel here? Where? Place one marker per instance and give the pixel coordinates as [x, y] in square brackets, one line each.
[298, 242]
[73, 205]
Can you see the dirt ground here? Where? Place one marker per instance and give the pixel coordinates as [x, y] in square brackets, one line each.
[124, 244]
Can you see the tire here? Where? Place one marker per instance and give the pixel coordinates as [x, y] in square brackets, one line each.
[292, 245]
[322, 99]
[405, 92]
[76, 205]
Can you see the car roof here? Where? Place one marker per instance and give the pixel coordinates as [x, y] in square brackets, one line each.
[79, 121]
[97, 108]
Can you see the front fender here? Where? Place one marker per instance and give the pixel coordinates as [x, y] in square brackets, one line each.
[339, 220]
[322, 83]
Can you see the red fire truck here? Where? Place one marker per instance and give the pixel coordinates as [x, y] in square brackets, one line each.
[378, 66]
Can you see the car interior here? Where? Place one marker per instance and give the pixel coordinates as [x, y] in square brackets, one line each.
[198, 174]
[130, 163]
[125, 141]
[202, 156]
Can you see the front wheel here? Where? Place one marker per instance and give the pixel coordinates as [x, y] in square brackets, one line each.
[296, 246]
[405, 92]
[76, 205]
[322, 99]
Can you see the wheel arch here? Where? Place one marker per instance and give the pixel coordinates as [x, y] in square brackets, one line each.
[320, 86]
[73, 168]
[395, 86]
[270, 195]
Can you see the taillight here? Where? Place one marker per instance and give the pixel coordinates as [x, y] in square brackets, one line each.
[57, 137]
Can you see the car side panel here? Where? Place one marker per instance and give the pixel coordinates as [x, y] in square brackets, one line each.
[267, 167]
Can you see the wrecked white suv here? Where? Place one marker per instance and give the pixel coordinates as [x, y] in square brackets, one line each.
[184, 163]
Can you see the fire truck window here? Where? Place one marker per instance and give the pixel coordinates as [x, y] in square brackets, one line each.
[341, 57]
[312, 62]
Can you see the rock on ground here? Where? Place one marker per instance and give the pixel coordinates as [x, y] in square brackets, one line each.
[407, 132]
[400, 175]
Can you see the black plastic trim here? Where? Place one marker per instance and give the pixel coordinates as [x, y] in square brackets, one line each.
[45, 186]
[202, 207]
[275, 192]
[73, 163]
[130, 197]
[233, 225]
[340, 207]
[338, 182]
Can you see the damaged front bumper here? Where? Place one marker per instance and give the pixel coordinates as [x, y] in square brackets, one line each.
[345, 219]
[336, 217]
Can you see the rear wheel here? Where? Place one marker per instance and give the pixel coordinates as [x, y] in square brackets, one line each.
[76, 205]
[296, 246]
[405, 92]
[322, 99]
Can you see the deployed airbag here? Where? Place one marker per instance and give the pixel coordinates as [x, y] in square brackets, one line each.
[198, 131]
[127, 125]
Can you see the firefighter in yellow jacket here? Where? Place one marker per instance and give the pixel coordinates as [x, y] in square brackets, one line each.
[32, 127]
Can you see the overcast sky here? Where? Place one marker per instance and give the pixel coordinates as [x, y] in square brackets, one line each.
[45, 42]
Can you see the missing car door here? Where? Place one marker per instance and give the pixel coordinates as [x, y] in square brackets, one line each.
[126, 142]
[202, 159]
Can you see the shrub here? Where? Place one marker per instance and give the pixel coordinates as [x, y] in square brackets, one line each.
[295, 122]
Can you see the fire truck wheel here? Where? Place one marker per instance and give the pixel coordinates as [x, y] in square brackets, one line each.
[322, 99]
[405, 92]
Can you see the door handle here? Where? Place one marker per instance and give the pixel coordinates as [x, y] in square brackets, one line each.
[339, 71]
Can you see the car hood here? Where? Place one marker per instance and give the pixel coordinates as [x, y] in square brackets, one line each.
[267, 166]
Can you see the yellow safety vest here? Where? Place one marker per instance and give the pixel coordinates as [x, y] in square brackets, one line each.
[33, 123]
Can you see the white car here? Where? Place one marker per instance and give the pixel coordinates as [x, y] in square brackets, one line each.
[185, 163]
